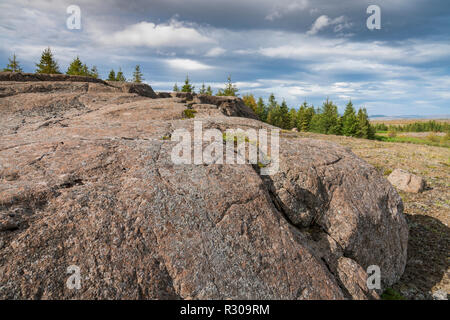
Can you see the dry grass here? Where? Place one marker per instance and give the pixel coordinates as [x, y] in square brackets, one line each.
[428, 213]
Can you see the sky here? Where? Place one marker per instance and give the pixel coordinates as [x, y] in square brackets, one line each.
[300, 50]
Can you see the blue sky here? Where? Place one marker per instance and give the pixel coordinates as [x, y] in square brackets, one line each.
[298, 49]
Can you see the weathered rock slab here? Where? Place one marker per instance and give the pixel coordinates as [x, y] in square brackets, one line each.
[87, 180]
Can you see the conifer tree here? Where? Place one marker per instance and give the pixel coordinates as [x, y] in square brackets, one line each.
[112, 75]
[120, 76]
[47, 63]
[13, 65]
[261, 110]
[349, 121]
[365, 130]
[229, 90]
[187, 87]
[273, 111]
[292, 118]
[137, 74]
[175, 88]
[284, 120]
[309, 114]
[301, 114]
[329, 119]
[209, 91]
[77, 68]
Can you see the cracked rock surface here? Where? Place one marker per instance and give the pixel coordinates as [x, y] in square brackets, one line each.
[86, 179]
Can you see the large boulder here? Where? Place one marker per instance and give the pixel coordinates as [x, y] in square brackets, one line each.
[87, 181]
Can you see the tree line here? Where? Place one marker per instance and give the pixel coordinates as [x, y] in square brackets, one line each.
[307, 118]
[49, 65]
[324, 119]
[424, 126]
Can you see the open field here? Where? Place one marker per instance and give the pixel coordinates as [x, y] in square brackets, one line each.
[438, 139]
[428, 213]
[406, 121]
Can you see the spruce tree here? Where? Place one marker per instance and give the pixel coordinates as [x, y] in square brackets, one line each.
[301, 113]
[229, 90]
[120, 76]
[309, 114]
[329, 119]
[175, 88]
[187, 87]
[112, 75]
[77, 68]
[261, 109]
[47, 64]
[209, 91]
[13, 65]
[315, 125]
[137, 74]
[349, 121]
[284, 120]
[292, 118]
[272, 110]
[365, 129]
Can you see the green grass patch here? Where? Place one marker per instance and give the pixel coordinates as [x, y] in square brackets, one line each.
[189, 113]
[391, 294]
[435, 141]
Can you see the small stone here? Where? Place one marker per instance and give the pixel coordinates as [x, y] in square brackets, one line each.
[406, 181]
[440, 295]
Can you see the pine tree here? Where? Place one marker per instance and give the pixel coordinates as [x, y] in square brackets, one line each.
[175, 88]
[349, 121]
[13, 65]
[137, 74]
[112, 75]
[47, 64]
[187, 87]
[229, 90]
[120, 76]
[209, 91]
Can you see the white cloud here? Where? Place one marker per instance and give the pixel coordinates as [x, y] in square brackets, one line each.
[187, 64]
[286, 8]
[148, 34]
[215, 52]
[324, 21]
